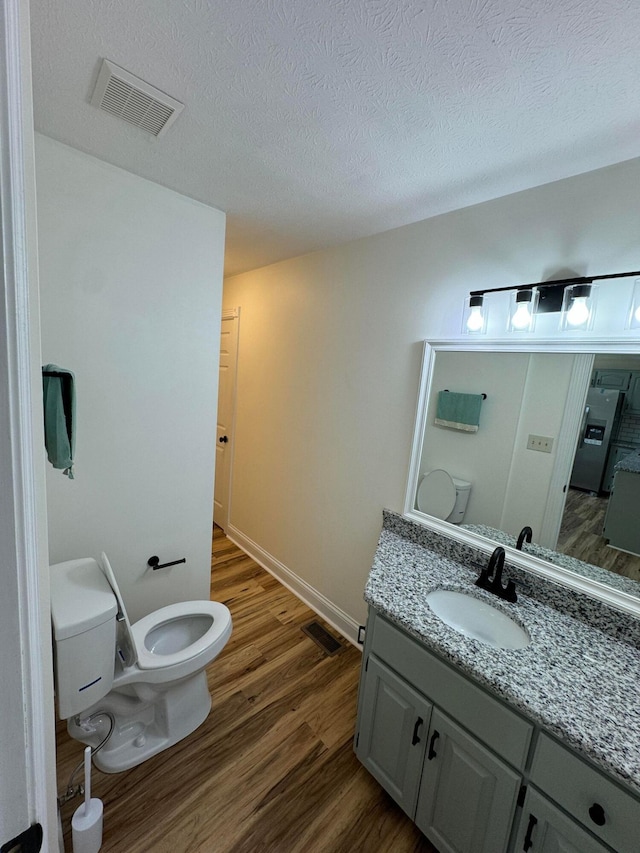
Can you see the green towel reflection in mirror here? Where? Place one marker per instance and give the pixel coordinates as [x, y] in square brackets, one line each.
[459, 411]
[59, 400]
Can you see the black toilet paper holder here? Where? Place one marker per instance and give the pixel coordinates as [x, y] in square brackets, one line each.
[155, 563]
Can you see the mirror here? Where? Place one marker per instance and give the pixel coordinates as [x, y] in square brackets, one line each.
[519, 462]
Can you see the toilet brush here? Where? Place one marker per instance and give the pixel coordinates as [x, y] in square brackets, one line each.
[86, 823]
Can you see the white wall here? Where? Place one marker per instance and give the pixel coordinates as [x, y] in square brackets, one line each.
[542, 412]
[330, 347]
[131, 281]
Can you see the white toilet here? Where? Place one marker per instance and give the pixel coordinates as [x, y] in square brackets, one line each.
[443, 496]
[146, 682]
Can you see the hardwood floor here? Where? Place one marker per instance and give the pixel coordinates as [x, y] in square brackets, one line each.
[272, 768]
[581, 535]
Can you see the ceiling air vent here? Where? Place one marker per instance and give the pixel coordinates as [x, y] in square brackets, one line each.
[122, 94]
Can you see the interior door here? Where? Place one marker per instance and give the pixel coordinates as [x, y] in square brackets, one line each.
[226, 407]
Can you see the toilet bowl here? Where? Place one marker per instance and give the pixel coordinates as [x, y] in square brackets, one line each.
[145, 682]
[443, 496]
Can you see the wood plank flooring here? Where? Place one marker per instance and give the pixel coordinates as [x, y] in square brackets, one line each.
[272, 769]
[581, 535]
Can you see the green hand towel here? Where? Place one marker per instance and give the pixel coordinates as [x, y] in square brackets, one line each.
[459, 411]
[59, 399]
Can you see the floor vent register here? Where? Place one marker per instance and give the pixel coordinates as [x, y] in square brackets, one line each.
[322, 638]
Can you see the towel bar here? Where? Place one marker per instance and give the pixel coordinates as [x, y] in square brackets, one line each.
[483, 395]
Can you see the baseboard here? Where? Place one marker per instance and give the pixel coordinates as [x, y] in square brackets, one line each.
[325, 608]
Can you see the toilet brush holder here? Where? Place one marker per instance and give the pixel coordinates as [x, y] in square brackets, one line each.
[86, 823]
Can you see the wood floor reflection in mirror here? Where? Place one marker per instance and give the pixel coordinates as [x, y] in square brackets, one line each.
[272, 769]
[581, 535]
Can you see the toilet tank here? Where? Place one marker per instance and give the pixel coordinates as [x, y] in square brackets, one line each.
[83, 617]
[463, 490]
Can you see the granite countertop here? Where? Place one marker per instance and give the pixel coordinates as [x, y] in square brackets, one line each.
[630, 463]
[575, 680]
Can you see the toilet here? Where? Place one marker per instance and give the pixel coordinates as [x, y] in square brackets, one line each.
[144, 685]
[443, 496]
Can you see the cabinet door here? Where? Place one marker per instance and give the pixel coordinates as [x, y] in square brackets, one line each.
[621, 521]
[544, 828]
[392, 733]
[633, 397]
[613, 379]
[467, 796]
[616, 453]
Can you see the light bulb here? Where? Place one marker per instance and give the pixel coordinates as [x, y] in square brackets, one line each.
[475, 320]
[578, 314]
[522, 316]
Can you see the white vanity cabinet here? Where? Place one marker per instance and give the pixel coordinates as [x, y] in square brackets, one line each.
[475, 775]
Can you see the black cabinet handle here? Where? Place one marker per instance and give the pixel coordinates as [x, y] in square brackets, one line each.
[416, 739]
[528, 841]
[224, 439]
[596, 813]
[434, 738]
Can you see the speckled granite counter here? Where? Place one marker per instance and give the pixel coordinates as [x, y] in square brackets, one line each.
[629, 463]
[577, 681]
[587, 570]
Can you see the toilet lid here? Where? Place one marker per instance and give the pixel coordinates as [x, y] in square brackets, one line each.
[125, 643]
[436, 494]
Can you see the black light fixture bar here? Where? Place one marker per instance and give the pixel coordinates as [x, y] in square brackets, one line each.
[559, 283]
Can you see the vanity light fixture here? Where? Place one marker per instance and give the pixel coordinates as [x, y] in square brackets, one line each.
[574, 298]
[578, 308]
[474, 318]
[522, 313]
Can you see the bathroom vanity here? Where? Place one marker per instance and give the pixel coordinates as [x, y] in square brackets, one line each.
[494, 750]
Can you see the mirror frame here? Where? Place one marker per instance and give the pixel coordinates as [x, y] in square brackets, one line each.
[588, 347]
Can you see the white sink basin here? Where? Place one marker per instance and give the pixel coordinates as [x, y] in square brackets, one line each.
[477, 619]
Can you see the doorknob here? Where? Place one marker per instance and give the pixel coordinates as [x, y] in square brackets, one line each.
[224, 439]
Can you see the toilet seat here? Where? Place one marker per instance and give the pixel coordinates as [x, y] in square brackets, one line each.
[436, 494]
[150, 665]
[211, 641]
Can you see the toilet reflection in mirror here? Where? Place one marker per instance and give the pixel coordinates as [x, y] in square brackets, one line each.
[443, 496]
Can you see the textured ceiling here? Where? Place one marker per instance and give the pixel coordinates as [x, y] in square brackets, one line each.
[314, 122]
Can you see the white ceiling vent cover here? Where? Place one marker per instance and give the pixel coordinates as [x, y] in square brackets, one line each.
[122, 94]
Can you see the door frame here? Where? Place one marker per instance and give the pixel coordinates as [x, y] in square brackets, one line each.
[566, 448]
[231, 314]
[23, 534]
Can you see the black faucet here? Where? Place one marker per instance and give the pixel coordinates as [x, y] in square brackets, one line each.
[525, 535]
[491, 578]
